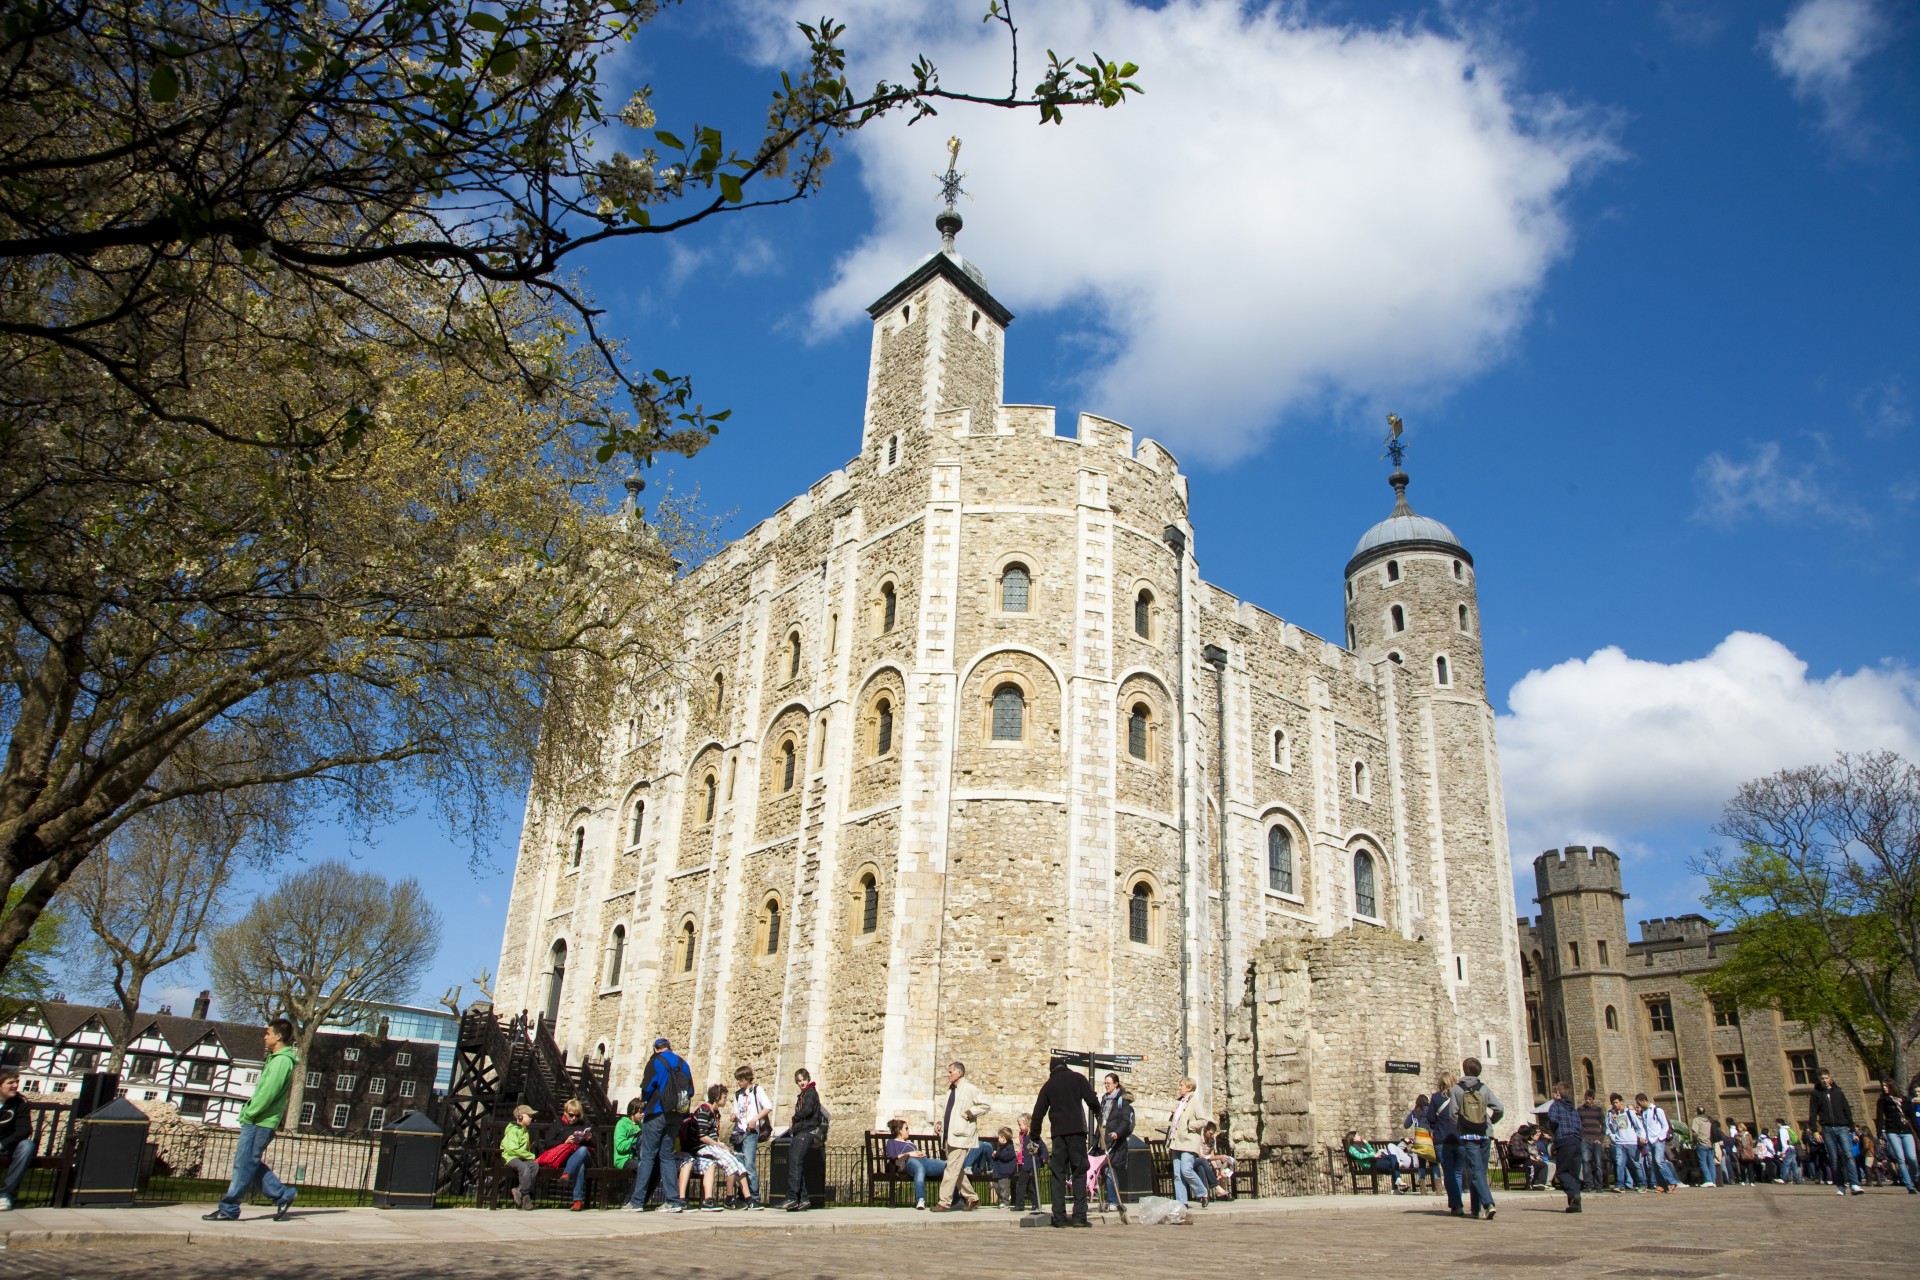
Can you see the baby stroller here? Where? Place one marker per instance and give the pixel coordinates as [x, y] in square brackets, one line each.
[1100, 1174]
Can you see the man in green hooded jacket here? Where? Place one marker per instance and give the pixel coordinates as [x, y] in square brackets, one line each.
[259, 1121]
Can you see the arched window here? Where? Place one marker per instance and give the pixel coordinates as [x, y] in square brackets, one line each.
[1280, 860]
[1586, 1064]
[1280, 748]
[1463, 618]
[772, 937]
[889, 607]
[1613, 1019]
[639, 820]
[833, 633]
[1364, 901]
[1349, 635]
[1398, 616]
[1456, 570]
[893, 450]
[719, 691]
[713, 794]
[1393, 571]
[869, 904]
[793, 654]
[1009, 713]
[1394, 657]
[686, 947]
[556, 977]
[882, 727]
[1137, 731]
[579, 844]
[616, 954]
[1014, 588]
[1442, 673]
[1143, 614]
[1360, 779]
[786, 765]
[1140, 914]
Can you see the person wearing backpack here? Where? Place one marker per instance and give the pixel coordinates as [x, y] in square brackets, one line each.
[1476, 1110]
[666, 1098]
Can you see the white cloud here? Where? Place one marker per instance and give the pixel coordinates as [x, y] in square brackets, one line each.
[1818, 50]
[1886, 407]
[1596, 749]
[1293, 215]
[1766, 486]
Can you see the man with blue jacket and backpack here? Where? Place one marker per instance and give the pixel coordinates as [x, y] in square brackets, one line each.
[666, 1096]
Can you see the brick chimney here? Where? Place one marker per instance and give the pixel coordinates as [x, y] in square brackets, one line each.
[201, 1003]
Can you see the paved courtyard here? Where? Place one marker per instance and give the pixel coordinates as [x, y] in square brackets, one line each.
[1766, 1231]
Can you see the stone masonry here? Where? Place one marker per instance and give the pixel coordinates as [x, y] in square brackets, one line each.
[966, 760]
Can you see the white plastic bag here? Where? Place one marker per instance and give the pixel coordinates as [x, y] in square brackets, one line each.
[1158, 1210]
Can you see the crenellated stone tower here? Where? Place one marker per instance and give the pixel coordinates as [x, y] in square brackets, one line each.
[966, 760]
[1587, 1014]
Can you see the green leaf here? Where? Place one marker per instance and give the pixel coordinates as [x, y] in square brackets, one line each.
[730, 188]
[666, 139]
[605, 453]
[164, 84]
[486, 22]
[503, 61]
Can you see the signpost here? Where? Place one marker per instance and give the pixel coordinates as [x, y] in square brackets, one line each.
[1095, 1062]
[1395, 1067]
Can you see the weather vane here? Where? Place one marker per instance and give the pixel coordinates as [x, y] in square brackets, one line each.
[950, 189]
[1395, 449]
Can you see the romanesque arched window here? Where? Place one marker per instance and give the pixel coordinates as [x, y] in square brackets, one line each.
[1009, 714]
[1015, 587]
[1137, 724]
[793, 654]
[889, 607]
[712, 785]
[1398, 617]
[1442, 671]
[1393, 571]
[1281, 756]
[579, 844]
[787, 755]
[769, 932]
[1365, 903]
[639, 821]
[1360, 783]
[1279, 860]
[869, 903]
[719, 692]
[556, 977]
[616, 954]
[893, 449]
[1140, 913]
[1463, 618]
[1143, 614]
[686, 946]
[1613, 1018]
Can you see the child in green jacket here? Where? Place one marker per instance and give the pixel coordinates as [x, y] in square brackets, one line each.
[517, 1150]
[626, 1135]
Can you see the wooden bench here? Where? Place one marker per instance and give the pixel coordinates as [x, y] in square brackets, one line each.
[1509, 1170]
[1340, 1163]
[52, 1144]
[882, 1176]
[605, 1184]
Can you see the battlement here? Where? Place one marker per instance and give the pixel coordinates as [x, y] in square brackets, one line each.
[1577, 869]
[1691, 927]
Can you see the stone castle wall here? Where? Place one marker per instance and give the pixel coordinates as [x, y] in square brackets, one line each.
[820, 854]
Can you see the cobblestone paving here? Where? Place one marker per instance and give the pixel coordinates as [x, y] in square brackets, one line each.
[1800, 1232]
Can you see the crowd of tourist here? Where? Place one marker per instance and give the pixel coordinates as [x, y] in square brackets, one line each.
[1577, 1147]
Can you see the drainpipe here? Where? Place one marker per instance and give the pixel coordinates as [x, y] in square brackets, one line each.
[1177, 543]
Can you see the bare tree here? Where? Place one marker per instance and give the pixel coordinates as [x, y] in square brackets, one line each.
[150, 894]
[326, 939]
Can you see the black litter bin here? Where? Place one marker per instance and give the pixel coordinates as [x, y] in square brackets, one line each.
[106, 1165]
[409, 1165]
[1137, 1180]
[813, 1169]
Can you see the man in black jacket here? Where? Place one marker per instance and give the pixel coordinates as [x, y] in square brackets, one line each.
[1833, 1114]
[16, 1135]
[807, 1131]
[1067, 1098]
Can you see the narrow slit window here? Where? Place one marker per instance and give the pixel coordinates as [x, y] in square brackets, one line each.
[1139, 914]
[1393, 571]
[1398, 616]
[713, 794]
[639, 820]
[773, 926]
[1442, 673]
[1137, 731]
[686, 947]
[787, 754]
[869, 904]
[893, 450]
[882, 727]
[793, 654]
[889, 606]
[579, 844]
[1365, 903]
[1143, 614]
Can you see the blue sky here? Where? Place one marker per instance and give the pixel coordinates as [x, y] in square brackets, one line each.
[1641, 278]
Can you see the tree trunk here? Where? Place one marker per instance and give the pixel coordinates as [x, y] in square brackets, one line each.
[302, 1046]
[129, 996]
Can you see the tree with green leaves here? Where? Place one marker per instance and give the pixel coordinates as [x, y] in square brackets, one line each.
[30, 975]
[1822, 889]
[322, 942]
[307, 430]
